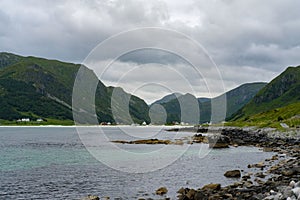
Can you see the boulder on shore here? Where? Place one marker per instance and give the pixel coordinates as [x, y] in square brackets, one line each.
[233, 174]
[212, 186]
[218, 141]
[258, 165]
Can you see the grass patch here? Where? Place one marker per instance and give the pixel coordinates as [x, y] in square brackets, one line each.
[289, 115]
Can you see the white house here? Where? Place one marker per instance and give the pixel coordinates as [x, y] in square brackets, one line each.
[25, 120]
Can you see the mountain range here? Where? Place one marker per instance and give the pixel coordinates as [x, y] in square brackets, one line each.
[37, 88]
[235, 99]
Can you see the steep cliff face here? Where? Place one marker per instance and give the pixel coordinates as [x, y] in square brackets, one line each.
[279, 86]
[281, 91]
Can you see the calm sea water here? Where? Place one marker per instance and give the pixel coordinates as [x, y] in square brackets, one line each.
[53, 163]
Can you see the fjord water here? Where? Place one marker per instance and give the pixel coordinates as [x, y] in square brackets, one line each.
[52, 163]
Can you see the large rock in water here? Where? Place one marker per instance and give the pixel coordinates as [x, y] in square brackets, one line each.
[146, 141]
[161, 191]
[233, 174]
[199, 138]
[91, 197]
[218, 141]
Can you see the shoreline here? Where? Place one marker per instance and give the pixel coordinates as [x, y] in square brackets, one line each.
[274, 178]
[283, 170]
[280, 170]
[91, 126]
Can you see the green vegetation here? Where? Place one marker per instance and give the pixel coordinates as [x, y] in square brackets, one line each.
[38, 88]
[289, 115]
[7, 59]
[235, 99]
[167, 98]
[280, 92]
[241, 95]
[47, 121]
[278, 102]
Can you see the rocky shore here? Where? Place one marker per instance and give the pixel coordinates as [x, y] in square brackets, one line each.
[282, 171]
[275, 178]
[146, 141]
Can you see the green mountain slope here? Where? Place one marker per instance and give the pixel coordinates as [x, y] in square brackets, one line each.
[7, 59]
[235, 99]
[289, 115]
[167, 98]
[238, 97]
[39, 88]
[188, 114]
[280, 92]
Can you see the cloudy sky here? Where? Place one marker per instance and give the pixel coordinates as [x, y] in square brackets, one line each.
[248, 41]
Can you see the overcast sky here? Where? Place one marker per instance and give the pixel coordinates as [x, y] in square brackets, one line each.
[249, 40]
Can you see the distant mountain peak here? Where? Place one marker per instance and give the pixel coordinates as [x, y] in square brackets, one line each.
[167, 98]
[235, 98]
[7, 59]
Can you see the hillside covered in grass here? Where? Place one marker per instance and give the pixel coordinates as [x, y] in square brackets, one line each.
[289, 115]
[235, 99]
[38, 88]
[278, 102]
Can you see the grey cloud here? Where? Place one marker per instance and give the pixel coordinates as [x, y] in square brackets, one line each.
[232, 28]
[144, 56]
[69, 30]
[153, 80]
[4, 23]
[233, 75]
[244, 38]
